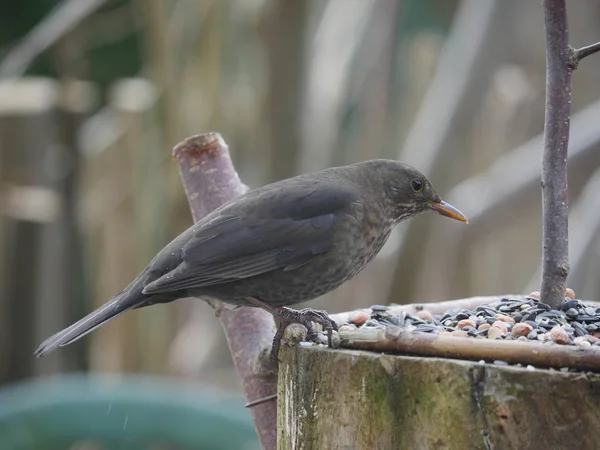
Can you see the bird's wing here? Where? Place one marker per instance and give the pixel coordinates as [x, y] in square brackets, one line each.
[256, 241]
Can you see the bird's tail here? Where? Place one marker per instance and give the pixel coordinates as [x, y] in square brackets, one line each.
[119, 304]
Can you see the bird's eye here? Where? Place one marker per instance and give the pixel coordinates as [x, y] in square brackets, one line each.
[416, 184]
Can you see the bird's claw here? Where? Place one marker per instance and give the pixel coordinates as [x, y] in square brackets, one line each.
[306, 317]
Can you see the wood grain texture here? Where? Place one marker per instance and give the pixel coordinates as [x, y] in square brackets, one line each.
[351, 399]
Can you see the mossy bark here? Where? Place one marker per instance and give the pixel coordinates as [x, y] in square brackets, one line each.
[347, 399]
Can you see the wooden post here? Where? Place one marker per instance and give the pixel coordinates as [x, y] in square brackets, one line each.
[351, 399]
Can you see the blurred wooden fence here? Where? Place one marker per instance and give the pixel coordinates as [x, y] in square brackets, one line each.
[41, 264]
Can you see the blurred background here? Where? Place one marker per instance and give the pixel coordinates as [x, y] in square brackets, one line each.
[94, 94]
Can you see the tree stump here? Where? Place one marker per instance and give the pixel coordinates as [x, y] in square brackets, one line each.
[352, 399]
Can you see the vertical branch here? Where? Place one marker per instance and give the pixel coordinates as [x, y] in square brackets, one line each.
[555, 253]
[210, 180]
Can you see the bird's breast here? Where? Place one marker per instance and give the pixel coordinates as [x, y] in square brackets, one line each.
[371, 233]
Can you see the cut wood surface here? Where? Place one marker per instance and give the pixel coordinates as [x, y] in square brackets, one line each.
[352, 399]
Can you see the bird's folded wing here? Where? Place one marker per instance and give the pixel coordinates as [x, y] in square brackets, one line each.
[233, 247]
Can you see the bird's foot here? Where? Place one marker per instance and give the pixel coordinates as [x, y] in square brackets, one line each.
[305, 317]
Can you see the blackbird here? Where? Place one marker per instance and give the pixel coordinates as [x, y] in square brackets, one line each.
[278, 245]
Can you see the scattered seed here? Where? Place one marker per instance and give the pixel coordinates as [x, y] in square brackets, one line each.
[495, 332]
[425, 315]
[504, 318]
[521, 329]
[459, 333]
[466, 323]
[358, 318]
[502, 325]
[559, 335]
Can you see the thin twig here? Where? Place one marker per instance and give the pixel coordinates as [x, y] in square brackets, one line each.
[555, 252]
[260, 401]
[580, 53]
[210, 180]
[395, 339]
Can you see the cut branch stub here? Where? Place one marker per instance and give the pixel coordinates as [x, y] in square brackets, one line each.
[210, 180]
[208, 175]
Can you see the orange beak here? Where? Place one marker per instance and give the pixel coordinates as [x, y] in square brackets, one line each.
[446, 209]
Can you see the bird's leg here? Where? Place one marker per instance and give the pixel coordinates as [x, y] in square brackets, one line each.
[305, 317]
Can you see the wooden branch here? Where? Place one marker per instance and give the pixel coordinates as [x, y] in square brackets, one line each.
[555, 252]
[395, 339]
[580, 53]
[210, 180]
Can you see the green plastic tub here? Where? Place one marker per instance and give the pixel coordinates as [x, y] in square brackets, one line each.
[107, 413]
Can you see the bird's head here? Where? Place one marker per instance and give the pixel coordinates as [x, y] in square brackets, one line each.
[408, 192]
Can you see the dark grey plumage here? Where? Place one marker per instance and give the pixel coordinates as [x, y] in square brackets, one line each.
[283, 243]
